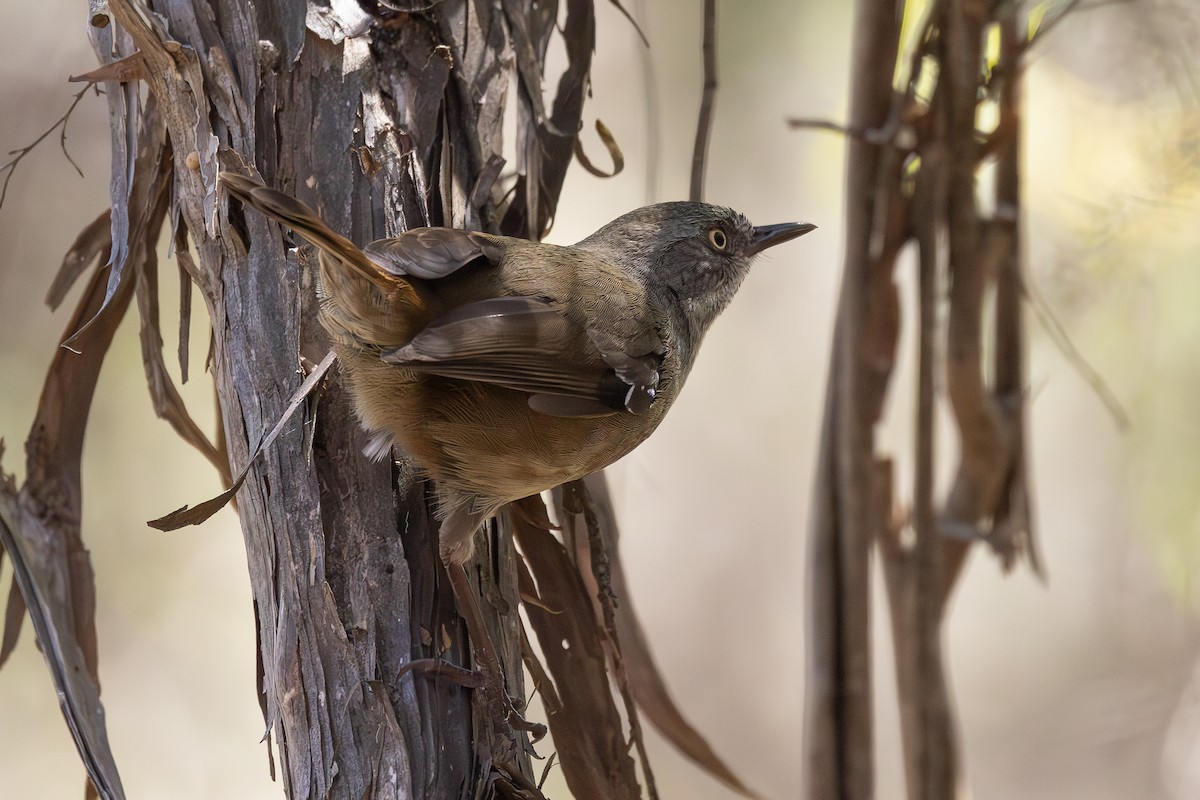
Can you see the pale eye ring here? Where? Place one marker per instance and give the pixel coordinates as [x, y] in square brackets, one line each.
[718, 239]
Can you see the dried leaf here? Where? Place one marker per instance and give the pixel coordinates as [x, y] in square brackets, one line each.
[645, 679]
[529, 31]
[547, 150]
[168, 404]
[625, 13]
[124, 107]
[39, 527]
[653, 697]
[53, 452]
[488, 176]
[183, 260]
[595, 568]
[78, 692]
[129, 68]
[202, 511]
[614, 152]
[587, 730]
[91, 245]
[14, 616]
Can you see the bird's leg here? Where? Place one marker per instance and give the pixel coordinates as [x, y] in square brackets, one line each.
[455, 546]
[492, 685]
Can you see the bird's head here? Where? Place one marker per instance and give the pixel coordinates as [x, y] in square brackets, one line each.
[694, 254]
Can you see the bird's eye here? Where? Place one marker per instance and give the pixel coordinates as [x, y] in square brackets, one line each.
[718, 239]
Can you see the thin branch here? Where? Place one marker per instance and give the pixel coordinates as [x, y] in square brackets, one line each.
[704, 124]
[1053, 22]
[629, 18]
[601, 568]
[1062, 340]
[927, 721]
[892, 132]
[652, 117]
[1069, 7]
[20, 153]
[550, 760]
[850, 497]
[797, 123]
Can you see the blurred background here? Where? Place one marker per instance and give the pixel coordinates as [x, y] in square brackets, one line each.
[1086, 685]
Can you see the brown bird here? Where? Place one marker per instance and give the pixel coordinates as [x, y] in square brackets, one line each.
[504, 366]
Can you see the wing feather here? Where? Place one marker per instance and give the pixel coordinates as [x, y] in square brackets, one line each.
[431, 253]
[529, 345]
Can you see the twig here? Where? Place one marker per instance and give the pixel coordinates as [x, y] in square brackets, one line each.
[850, 499]
[20, 153]
[602, 570]
[1091, 376]
[1052, 23]
[831, 126]
[704, 124]
[202, 511]
[652, 116]
[891, 132]
[1068, 7]
[629, 18]
[549, 761]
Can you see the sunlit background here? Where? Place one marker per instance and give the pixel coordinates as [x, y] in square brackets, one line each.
[1085, 686]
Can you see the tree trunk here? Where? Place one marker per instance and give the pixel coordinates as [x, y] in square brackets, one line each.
[913, 163]
[382, 121]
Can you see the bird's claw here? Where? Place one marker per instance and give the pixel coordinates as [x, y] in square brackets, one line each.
[501, 707]
[495, 697]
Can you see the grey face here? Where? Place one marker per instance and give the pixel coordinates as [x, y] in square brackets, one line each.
[694, 254]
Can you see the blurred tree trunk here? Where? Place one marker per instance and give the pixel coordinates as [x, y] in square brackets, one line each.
[381, 120]
[914, 160]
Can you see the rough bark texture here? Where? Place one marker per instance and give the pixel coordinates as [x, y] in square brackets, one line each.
[381, 118]
[382, 121]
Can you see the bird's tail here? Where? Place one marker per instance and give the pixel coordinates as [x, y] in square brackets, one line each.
[367, 305]
[289, 211]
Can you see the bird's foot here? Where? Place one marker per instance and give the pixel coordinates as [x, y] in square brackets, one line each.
[501, 708]
[490, 687]
[487, 679]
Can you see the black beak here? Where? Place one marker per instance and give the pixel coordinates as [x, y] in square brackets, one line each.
[765, 236]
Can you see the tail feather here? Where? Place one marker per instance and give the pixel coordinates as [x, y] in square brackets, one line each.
[289, 211]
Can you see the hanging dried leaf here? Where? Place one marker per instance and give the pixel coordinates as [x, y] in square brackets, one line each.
[186, 268]
[200, 512]
[614, 152]
[92, 242]
[39, 526]
[646, 683]
[587, 730]
[14, 616]
[547, 150]
[124, 109]
[168, 404]
[78, 691]
[625, 13]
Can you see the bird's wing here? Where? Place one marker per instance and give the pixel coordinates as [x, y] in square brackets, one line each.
[529, 345]
[431, 253]
[412, 263]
